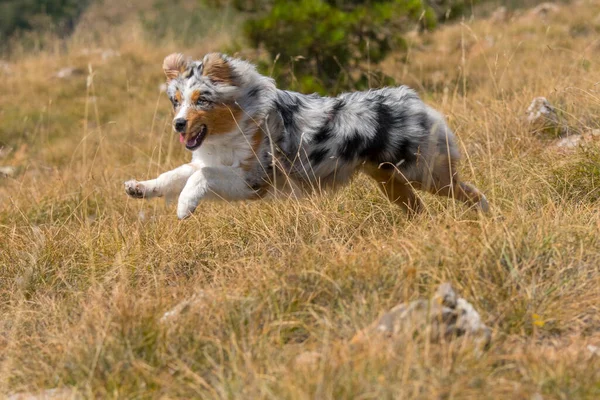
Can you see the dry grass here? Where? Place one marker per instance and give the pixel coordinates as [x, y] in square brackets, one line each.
[86, 273]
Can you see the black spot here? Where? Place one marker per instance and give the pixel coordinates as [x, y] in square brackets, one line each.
[208, 94]
[405, 153]
[339, 104]
[377, 145]
[326, 132]
[352, 146]
[424, 122]
[317, 156]
[252, 93]
[288, 105]
[287, 112]
[323, 134]
[402, 119]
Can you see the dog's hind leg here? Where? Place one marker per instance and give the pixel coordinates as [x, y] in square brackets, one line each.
[471, 195]
[397, 189]
[445, 181]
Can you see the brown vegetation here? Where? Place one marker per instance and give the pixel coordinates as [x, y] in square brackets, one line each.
[86, 274]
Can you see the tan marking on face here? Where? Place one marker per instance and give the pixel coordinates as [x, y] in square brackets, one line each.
[195, 96]
[219, 120]
[173, 65]
[217, 69]
[178, 96]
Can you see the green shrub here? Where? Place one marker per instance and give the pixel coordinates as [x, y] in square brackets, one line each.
[329, 46]
[332, 45]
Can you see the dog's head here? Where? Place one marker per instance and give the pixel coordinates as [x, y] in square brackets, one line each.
[204, 96]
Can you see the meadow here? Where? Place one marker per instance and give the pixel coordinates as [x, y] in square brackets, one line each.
[86, 273]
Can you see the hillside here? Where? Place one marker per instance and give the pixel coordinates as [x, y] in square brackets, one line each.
[87, 274]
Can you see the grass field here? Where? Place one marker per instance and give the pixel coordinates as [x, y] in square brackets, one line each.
[87, 273]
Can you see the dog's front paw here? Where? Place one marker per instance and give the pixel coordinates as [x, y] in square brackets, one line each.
[185, 208]
[135, 189]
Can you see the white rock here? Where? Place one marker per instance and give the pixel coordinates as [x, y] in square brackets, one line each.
[569, 142]
[68, 72]
[445, 316]
[194, 302]
[542, 115]
[586, 140]
[7, 171]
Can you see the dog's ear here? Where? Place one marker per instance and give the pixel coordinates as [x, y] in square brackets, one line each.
[174, 64]
[217, 68]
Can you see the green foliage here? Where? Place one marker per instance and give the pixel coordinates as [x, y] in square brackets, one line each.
[331, 45]
[25, 15]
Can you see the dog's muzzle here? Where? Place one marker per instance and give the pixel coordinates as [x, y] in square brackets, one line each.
[179, 125]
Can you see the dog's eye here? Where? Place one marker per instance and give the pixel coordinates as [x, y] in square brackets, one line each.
[202, 102]
[175, 103]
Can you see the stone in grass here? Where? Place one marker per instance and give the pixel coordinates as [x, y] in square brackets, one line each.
[542, 116]
[197, 300]
[585, 140]
[68, 72]
[7, 171]
[445, 316]
[569, 142]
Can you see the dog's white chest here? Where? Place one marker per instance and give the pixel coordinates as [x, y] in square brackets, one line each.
[229, 150]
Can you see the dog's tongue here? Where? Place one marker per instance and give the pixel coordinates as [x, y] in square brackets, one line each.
[193, 141]
[181, 138]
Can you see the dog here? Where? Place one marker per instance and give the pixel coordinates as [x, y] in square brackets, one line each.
[249, 139]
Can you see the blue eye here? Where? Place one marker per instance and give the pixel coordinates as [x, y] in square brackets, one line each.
[202, 102]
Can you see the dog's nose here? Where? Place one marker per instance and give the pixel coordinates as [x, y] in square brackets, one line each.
[179, 125]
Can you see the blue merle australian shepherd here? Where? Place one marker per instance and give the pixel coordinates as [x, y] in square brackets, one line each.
[249, 138]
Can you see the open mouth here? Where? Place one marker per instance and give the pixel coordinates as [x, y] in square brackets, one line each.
[196, 139]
